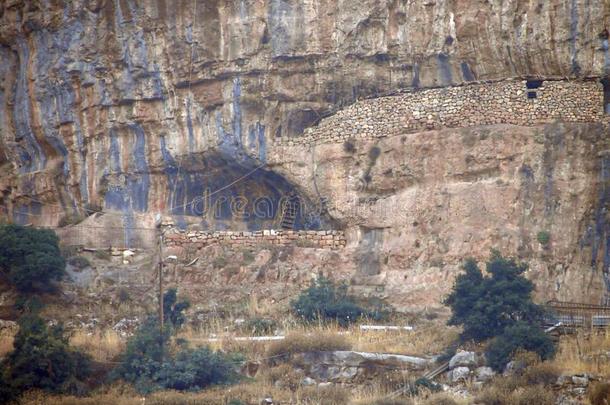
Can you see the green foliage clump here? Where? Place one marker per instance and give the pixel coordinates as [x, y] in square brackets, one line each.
[30, 258]
[42, 359]
[543, 237]
[261, 326]
[102, 255]
[323, 300]
[150, 364]
[520, 336]
[80, 262]
[486, 305]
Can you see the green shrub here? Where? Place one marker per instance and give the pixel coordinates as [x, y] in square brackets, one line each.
[150, 364]
[543, 237]
[325, 301]
[349, 146]
[220, 262]
[30, 258]
[70, 219]
[102, 254]
[42, 359]
[486, 306]
[520, 336]
[80, 262]
[248, 257]
[261, 326]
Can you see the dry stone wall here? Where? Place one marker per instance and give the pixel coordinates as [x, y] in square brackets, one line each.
[198, 239]
[503, 102]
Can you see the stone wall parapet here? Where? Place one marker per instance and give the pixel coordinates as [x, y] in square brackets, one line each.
[330, 239]
[516, 102]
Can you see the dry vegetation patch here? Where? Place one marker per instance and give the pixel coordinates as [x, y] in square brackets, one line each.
[308, 342]
[584, 352]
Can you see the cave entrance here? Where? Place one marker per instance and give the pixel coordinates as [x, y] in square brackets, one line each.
[221, 193]
[606, 85]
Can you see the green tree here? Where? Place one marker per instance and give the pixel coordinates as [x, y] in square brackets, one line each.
[30, 258]
[486, 305]
[151, 363]
[42, 358]
[520, 336]
[323, 300]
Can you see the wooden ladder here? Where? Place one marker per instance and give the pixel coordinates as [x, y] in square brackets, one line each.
[289, 214]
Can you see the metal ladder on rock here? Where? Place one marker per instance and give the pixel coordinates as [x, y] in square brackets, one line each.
[289, 213]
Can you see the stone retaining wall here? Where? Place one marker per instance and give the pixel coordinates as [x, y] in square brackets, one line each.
[198, 239]
[504, 102]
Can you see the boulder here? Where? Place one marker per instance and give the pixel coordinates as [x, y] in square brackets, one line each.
[463, 359]
[459, 374]
[307, 381]
[483, 374]
[580, 380]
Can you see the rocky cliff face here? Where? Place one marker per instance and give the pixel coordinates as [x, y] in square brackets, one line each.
[140, 107]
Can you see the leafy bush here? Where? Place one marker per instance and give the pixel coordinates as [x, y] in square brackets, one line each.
[42, 359]
[543, 237]
[349, 146]
[261, 326]
[150, 365]
[486, 306]
[80, 262]
[220, 262]
[325, 301]
[522, 336]
[70, 219]
[102, 254]
[30, 258]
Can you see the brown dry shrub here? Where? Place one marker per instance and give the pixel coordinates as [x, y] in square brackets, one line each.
[599, 394]
[283, 375]
[331, 395]
[506, 391]
[385, 401]
[536, 394]
[301, 343]
[544, 373]
[440, 399]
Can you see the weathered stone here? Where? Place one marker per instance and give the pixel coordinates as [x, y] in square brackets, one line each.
[463, 359]
[484, 374]
[458, 374]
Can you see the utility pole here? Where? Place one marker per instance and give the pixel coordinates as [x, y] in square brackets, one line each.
[161, 291]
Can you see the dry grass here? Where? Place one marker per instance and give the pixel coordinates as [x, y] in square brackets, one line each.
[101, 345]
[308, 342]
[599, 394]
[6, 342]
[584, 353]
[427, 339]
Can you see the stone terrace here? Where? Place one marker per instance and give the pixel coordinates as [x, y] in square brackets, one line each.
[199, 239]
[509, 102]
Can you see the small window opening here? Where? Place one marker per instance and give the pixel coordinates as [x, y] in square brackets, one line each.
[606, 84]
[533, 84]
[531, 94]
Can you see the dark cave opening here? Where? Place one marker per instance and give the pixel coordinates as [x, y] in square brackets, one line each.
[606, 85]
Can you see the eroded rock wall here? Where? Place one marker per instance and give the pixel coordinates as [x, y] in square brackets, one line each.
[415, 205]
[125, 94]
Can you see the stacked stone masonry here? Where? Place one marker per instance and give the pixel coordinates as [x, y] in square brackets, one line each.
[319, 239]
[503, 102]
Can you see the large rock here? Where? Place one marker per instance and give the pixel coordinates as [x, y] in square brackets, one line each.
[459, 374]
[463, 359]
[345, 365]
[484, 374]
